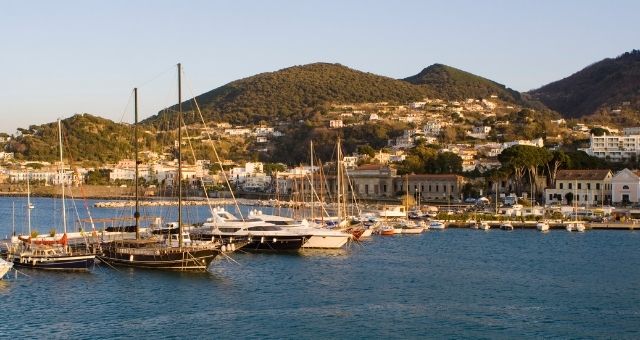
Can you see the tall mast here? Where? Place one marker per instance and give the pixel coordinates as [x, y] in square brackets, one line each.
[61, 174]
[338, 179]
[28, 203]
[406, 200]
[180, 155]
[136, 214]
[313, 187]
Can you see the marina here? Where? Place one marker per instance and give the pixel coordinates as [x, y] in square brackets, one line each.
[458, 282]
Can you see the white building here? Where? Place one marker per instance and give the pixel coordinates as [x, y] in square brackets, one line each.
[481, 129]
[614, 148]
[539, 142]
[587, 187]
[625, 187]
[237, 131]
[336, 123]
[250, 169]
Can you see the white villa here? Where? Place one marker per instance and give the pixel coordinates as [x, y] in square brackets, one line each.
[588, 187]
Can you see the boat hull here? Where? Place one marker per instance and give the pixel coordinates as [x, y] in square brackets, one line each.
[71, 262]
[179, 259]
[326, 242]
[4, 268]
[275, 244]
[412, 230]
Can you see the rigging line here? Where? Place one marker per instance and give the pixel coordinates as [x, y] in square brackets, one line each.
[193, 154]
[70, 160]
[124, 110]
[215, 151]
[169, 68]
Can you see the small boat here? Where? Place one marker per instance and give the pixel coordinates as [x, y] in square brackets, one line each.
[506, 226]
[575, 226]
[437, 225]
[387, 230]
[4, 268]
[474, 225]
[542, 226]
[410, 227]
[484, 226]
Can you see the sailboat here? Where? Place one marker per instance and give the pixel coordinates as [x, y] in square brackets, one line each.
[575, 225]
[50, 253]
[176, 252]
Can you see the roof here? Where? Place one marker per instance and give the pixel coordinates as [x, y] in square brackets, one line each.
[434, 177]
[583, 175]
[371, 167]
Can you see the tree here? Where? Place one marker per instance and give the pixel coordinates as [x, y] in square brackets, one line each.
[367, 150]
[598, 131]
[558, 159]
[569, 197]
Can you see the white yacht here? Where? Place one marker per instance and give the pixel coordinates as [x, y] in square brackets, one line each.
[506, 226]
[4, 268]
[484, 226]
[437, 225]
[320, 238]
[258, 234]
[542, 226]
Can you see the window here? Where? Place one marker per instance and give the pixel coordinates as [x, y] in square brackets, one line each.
[384, 187]
[561, 185]
[597, 186]
[570, 186]
[579, 185]
[451, 188]
[586, 198]
[595, 198]
[366, 188]
[588, 186]
[437, 187]
[422, 187]
[550, 197]
[625, 187]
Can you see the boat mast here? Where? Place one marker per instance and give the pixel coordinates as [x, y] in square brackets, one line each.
[338, 179]
[28, 203]
[406, 199]
[180, 155]
[313, 187]
[64, 212]
[136, 214]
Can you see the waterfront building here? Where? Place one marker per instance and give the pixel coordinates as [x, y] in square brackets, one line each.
[432, 187]
[586, 187]
[373, 181]
[625, 187]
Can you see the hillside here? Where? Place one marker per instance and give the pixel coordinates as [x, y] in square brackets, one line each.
[295, 93]
[450, 83]
[86, 137]
[602, 87]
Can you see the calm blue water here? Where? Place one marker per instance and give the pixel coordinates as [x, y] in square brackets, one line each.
[451, 284]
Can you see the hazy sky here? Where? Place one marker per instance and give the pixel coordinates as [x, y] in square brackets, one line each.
[64, 57]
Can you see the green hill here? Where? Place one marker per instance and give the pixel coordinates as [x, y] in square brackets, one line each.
[296, 93]
[86, 137]
[598, 88]
[447, 82]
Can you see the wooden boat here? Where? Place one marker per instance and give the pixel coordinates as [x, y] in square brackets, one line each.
[172, 251]
[50, 253]
[387, 230]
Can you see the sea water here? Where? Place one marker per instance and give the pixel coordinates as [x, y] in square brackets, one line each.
[456, 283]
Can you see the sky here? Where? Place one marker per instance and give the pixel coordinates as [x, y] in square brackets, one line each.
[64, 57]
